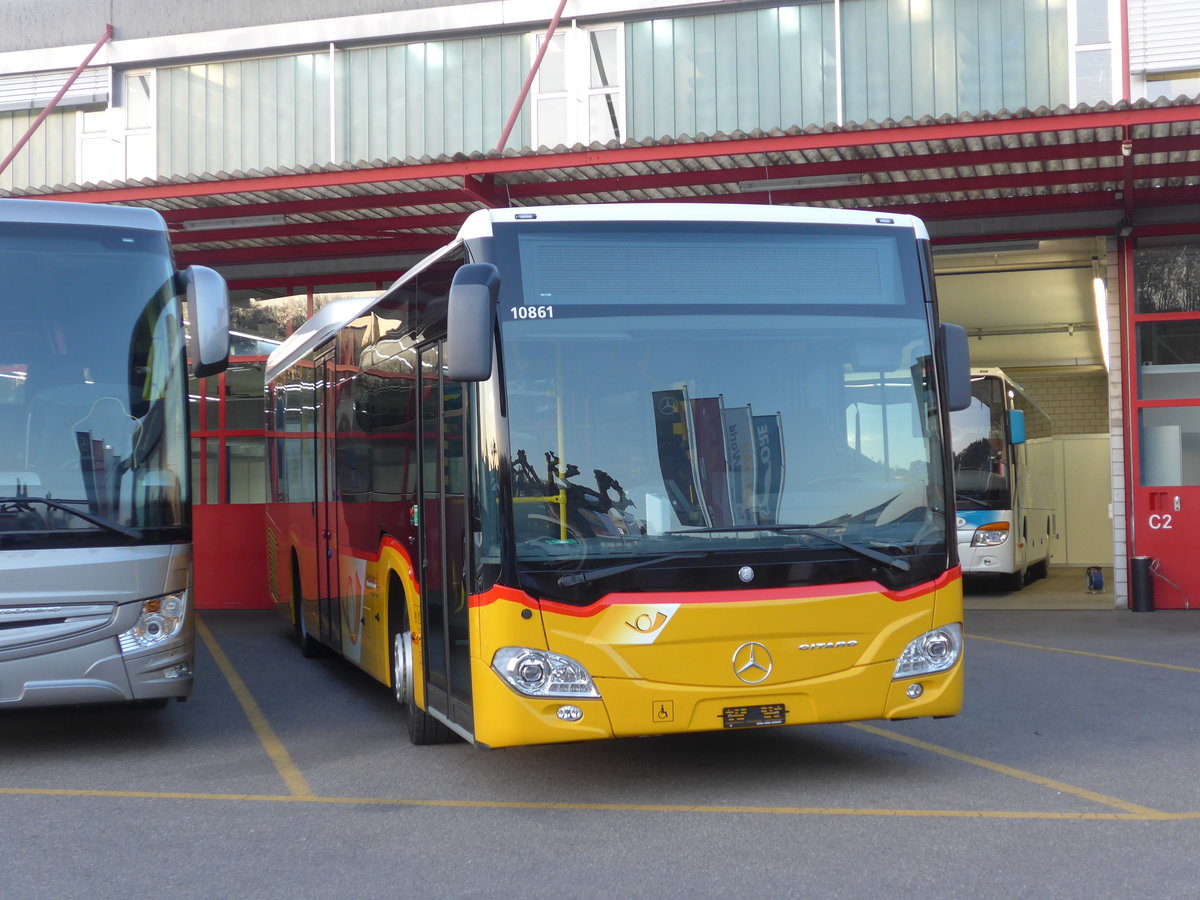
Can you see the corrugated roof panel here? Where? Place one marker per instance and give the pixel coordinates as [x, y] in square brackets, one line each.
[972, 163]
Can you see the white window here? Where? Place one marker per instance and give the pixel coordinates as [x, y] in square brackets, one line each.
[117, 143]
[35, 90]
[1095, 28]
[138, 97]
[578, 96]
[1164, 48]
[1172, 84]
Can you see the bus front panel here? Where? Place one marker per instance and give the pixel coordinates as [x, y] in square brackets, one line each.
[663, 664]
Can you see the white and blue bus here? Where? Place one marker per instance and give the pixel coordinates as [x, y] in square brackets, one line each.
[1004, 482]
[95, 527]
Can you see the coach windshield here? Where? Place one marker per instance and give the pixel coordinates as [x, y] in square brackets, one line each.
[92, 388]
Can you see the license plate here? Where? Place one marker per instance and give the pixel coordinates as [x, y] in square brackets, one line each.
[753, 716]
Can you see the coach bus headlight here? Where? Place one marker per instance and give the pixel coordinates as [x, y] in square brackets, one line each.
[992, 535]
[160, 620]
[539, 673]
[934, 651]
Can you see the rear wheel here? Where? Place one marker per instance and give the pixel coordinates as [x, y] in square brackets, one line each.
[309, 646]
[422, 727]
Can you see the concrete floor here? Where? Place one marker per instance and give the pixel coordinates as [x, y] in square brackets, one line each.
[1063, 588]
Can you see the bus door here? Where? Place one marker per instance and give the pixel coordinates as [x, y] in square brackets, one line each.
[442, 506]
[325, 504]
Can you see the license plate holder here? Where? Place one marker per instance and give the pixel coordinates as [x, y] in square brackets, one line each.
[754, 716]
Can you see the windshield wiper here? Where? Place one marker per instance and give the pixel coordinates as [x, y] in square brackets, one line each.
[810, 530]
[605, 571]
[963, 498]
[126, 530]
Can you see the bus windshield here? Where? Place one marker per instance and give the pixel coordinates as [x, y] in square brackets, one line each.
[92, 388]
[981, 462]
[748, 389]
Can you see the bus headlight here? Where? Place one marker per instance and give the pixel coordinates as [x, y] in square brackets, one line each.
[539, 673]
[992, 535]
[934, 651]
[160, 620]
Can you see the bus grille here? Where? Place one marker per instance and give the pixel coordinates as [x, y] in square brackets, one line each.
[21, 626]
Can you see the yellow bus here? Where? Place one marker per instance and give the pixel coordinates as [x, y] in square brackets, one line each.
[602, 471]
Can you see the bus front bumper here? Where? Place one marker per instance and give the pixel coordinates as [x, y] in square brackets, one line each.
[634, 708]
[97, 672]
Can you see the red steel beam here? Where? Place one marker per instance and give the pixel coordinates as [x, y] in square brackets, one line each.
[415, 243]
[458, 169]
[1096, 201]
[1054, 234]
[380, 226]
[995, 182]
[483, 190]
[1088, 201]
[703, 177]
[391, 200]
[297, 284]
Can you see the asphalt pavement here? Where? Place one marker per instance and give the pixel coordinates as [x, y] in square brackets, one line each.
[1070, 773]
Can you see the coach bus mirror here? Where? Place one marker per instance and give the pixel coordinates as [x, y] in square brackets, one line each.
[957, 358]
[1016, 426]
[471, 322]
[208, 315]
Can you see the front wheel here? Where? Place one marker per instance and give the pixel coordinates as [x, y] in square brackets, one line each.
[1014, 581]
[1039, 570]
[152, 703]
[422, 727]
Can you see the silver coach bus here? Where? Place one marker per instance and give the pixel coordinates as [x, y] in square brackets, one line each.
[95, 526]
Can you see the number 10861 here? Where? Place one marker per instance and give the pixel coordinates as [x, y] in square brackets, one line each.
[532, 312]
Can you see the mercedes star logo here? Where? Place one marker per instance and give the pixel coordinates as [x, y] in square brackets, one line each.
[752, 662]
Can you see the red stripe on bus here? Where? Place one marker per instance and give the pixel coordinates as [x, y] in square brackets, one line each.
[832, 591]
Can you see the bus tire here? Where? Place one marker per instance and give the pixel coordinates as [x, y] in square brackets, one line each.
[1040, 569]
[309, 646]
[152, 703]
[422, 728]
[1014, 581]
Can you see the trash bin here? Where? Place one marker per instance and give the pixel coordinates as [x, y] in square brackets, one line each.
[1141, 584]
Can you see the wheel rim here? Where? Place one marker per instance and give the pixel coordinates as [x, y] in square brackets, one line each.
[402, 674]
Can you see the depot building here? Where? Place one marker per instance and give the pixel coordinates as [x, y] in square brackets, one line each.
[317, 149]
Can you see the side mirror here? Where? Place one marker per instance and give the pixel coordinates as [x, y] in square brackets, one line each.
[1016, 426]
[471, 322]
[208, 314]
[957, 357]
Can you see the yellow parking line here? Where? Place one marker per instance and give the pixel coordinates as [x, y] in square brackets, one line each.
[295, 782]
[1147, 816]
[1060, 786]
[1124, 659]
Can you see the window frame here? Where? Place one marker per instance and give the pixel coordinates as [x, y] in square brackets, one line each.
[578, 91]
